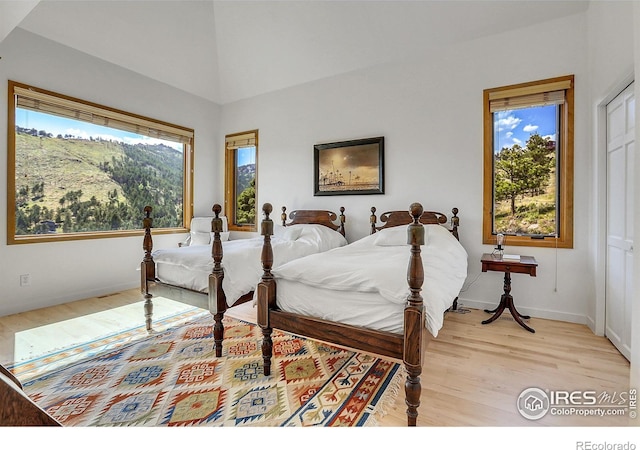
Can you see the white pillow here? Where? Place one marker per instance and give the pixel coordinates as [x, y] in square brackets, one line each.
[395, 236]
[290, 233]
[324, 237]
[199, 238]
[278, 230]
[201, 233]
[203, 224]
[391, 236]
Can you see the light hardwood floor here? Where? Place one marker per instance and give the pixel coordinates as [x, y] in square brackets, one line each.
[472, 374]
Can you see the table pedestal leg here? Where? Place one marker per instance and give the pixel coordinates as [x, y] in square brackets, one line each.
[497, 311]
[506, 302]
[517, 316]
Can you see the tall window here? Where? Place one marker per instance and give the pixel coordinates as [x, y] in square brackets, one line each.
[240, 181]
[528, 163]
[79, 170]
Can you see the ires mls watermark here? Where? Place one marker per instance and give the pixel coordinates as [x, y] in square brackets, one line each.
[535, 403]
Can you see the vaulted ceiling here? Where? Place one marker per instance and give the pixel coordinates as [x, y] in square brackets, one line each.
[228, 50]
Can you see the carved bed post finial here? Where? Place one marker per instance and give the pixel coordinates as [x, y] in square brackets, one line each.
[147, 266]
[217, 298]
[414, 316]
[283, 216]
[455, 222]
[266, 289]
[343, 219]
[373, 219]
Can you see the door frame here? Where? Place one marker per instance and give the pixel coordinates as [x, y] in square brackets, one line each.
[597, 322]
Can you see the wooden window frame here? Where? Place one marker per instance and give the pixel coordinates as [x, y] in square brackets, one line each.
[230, 199]
[155, 128]
[565, 155]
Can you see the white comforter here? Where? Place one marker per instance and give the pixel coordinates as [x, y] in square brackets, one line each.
[377, 264]
[189, 267]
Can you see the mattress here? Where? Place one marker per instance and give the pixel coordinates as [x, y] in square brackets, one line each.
[365, 283]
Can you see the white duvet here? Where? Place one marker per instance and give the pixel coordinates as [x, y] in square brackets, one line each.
[365, 282]
[189, 267]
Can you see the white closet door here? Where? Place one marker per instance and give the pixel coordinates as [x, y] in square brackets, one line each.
[619, 267]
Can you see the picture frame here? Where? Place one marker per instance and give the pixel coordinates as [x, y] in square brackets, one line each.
[349, 167]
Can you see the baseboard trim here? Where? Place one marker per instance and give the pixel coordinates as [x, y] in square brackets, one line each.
[533, 312]
[45, 302]
[591, 323]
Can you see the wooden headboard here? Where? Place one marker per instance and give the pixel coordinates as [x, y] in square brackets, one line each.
[396, 218]
[312, 216]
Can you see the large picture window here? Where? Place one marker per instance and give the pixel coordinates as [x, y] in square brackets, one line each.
[79, 170]
[528, 163]
[241, 155]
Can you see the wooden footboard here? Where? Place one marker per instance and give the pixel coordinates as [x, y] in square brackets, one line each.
[215, 300]
[16, 408]
[409, 346]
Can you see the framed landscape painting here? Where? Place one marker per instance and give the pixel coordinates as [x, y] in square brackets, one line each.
[349, 167]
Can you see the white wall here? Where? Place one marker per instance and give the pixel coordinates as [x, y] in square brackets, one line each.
[613, 61]
[66, 271]
[611, 69]
[429, 110]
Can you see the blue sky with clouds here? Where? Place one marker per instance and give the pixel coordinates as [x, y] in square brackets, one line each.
[517, 125]
[59, 125]
[246, 155]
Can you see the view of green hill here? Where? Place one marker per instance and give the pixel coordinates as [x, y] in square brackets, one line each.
[525, 188]
[64, 165]
[245, 176]
[94, 185]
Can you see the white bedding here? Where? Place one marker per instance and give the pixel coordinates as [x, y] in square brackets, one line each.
[365, 282]
[189, 267]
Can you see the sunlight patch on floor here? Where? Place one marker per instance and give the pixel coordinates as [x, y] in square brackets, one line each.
[39, 341]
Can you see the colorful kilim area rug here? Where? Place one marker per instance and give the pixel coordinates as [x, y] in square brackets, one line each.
[174, 379]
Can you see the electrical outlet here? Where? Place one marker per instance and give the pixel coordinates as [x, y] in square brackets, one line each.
[25, 279]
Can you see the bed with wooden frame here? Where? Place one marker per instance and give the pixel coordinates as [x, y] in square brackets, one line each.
[407, 345]
[214, 298]
[16, 408]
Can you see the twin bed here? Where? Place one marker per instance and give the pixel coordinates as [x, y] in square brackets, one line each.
[361, 295]
[220, 274]
[352, 296]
